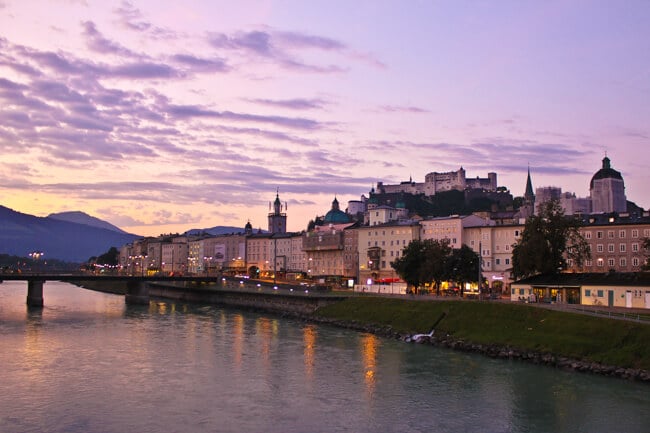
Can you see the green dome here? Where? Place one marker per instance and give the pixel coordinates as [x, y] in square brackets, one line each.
[336, 215]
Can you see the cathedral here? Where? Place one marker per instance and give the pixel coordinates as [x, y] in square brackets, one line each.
[607, 190]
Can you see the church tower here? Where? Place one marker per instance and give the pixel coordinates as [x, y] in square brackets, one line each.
[528, 206]
[607, 190]
[277, 218]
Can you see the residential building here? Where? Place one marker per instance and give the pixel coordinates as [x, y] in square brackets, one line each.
[450, 228]
[380, 245]
[324, 247]
[494, 244]
[615, 241]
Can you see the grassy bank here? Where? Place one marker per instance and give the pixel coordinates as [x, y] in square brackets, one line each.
[595, 339]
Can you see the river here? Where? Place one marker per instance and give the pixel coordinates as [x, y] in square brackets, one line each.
[86, 362]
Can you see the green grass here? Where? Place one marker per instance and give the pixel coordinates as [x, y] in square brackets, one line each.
[597, 339]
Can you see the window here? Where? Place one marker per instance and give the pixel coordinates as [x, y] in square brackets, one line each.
[587, 235]
[589, 263]
[611, 262]
[587, 292]
[521, 292]
[383, 263]
[497, 261]
[635, 233]
[507, 247]
[635, 261]
[610, 234]
[507, 261]
[635, 247]
[621, 247]
[599, 248]
[599, 234]
[600, 293]
[610, 248]
[623, 262]
[646, 233]
[621, 234]
[600, 262]
[516, 233]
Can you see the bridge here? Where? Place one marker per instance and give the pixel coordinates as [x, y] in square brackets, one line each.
[137, 291]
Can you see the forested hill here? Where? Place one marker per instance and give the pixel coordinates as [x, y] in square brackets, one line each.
[21, 234]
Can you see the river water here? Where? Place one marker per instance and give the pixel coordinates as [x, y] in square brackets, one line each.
[87, 362]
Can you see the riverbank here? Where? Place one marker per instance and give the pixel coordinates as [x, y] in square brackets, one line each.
[511, 331]
[559, 339]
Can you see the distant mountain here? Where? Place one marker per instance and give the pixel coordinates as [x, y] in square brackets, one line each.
[83, 218]
[218, 230]
[21, 234]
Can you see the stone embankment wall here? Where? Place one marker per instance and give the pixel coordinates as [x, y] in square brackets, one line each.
[496, 351]
[277, 302]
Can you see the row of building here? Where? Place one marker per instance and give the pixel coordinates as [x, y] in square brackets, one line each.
[345, 251]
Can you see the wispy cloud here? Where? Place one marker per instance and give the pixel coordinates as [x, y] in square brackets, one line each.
[402, 109]
[294, 104]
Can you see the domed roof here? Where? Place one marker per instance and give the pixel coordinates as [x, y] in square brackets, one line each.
[335, 215]
[607, 172]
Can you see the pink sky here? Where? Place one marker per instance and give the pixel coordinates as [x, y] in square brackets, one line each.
[160, 116]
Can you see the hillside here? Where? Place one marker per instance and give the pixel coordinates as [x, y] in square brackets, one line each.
[83, 218]
[21, 234]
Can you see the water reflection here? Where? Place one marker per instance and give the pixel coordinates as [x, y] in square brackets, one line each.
[238, 341]
[88, 363]
[369, 345]
[309, 340]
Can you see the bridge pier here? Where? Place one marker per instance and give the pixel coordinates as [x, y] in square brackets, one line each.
[34, 293]
[137, 292]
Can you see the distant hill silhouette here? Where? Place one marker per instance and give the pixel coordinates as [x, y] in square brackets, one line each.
[83, 218]
[218, 230]
[21, 234]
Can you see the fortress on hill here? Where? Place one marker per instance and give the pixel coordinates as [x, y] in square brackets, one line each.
[437, 182]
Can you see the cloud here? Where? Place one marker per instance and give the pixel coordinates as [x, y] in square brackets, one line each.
[279, 47]
[302, 40]
[131, 17]
[293, 104]
[98, 43]
[402, 109]
[198, 64]
[197, 111]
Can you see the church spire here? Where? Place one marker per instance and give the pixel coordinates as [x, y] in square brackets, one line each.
[528, 194]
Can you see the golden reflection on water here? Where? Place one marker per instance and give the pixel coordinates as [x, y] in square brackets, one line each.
[369, 345]
[266, 328]
[238, 341]
[309, 339]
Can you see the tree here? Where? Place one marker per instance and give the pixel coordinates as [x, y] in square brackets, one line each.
[423, 261]
[110, 258]
[547, 241]
[646, 248]
[435, 264]
[408, 265]
[463, 266]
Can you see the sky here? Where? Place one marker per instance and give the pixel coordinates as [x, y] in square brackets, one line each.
[163, 116]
